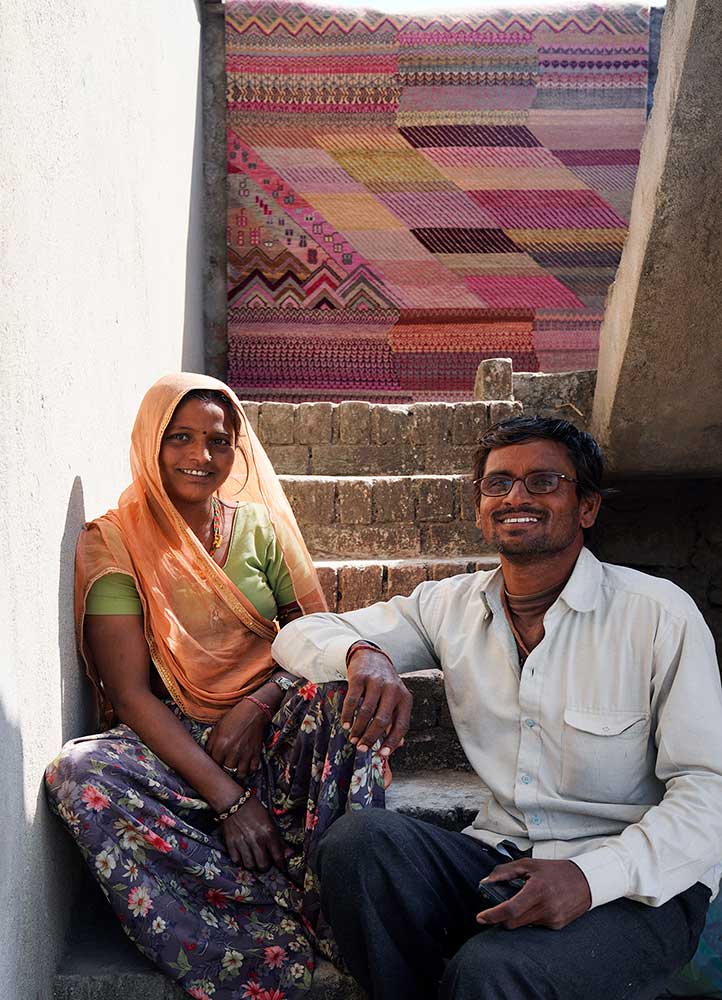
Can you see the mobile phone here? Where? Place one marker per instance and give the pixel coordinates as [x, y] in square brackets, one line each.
[494, 893]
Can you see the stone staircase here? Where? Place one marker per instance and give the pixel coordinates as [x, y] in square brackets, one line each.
[383, 498]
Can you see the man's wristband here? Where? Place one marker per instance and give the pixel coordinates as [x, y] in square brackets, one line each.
[363, 644]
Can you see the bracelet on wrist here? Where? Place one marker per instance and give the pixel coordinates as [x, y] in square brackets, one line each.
[236, 806]
[266, 709]
[362, 644]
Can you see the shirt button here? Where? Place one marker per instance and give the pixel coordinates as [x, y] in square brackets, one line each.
[529, 723]
[536, 820]
[525, 779]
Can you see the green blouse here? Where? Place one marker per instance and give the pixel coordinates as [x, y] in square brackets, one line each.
[254, 563]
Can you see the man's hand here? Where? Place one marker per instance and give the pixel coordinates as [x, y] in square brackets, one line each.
[377, 703]
[556, 893]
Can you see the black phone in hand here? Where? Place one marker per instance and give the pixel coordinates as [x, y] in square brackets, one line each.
[494, 893]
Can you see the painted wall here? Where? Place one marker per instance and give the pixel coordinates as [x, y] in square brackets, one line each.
[101, 262]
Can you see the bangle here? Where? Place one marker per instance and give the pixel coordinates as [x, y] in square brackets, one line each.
[363, 644]
[236, 806]
[260, 704]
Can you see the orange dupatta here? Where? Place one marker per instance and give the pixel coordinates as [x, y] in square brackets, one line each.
[207, 641]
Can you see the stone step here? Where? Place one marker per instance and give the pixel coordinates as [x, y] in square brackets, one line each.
[102, 964]
[450, 799]
[431, 744]
[402, 517]
[355, 583]
[353, 437]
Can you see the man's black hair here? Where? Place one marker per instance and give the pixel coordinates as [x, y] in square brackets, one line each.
[583, 450]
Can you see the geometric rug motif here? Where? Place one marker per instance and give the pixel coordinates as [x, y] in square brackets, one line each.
[410, 195]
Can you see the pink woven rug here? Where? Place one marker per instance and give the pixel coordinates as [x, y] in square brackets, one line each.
[408, 196]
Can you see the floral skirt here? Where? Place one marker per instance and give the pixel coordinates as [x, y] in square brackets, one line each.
[157, 852]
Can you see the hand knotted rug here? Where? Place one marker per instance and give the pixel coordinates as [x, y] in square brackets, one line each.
[410, 195]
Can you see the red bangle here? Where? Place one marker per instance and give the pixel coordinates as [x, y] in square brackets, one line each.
[260, 704]
[363, 644]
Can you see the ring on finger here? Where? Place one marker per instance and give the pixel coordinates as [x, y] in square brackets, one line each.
[230, 770]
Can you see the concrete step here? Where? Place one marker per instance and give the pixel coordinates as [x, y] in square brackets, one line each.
[355, 583]
[372, 517]
[358, 438]
[102, 964]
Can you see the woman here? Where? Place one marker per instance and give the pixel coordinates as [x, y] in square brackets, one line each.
[199, 810]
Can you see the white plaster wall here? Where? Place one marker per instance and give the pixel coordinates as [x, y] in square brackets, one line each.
[100, 293]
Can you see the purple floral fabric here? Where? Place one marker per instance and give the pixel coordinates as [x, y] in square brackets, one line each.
[158, 854]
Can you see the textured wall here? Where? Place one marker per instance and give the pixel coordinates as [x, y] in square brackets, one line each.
[101, 293]
[657, 408]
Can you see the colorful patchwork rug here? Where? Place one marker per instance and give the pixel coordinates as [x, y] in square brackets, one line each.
[410, 195]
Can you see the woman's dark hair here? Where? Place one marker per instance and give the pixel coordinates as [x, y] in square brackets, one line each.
[216, 396]
[583, 450]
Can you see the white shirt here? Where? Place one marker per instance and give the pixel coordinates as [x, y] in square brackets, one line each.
[606, 748]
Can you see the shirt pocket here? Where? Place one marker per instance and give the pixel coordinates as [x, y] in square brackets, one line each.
[605, 755]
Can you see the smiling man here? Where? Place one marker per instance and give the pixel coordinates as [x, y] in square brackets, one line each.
[587, 699]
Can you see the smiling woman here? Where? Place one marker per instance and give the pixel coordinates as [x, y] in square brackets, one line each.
[188, 809]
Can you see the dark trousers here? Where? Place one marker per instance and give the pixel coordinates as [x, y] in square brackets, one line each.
[400, 895]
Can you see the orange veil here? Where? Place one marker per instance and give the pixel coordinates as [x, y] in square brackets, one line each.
[206, 639]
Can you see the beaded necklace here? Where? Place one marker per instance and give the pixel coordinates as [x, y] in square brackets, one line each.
[217, 525]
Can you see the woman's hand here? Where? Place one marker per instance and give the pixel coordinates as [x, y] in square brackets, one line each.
[252, 840]
[236, 741]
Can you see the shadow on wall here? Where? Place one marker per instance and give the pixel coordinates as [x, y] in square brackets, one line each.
[193, 334]
[76, 699]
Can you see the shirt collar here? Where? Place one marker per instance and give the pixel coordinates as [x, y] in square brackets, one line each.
[581, 592]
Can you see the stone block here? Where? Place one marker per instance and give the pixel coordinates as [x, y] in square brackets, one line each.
[430, 749]
[467, 502]
[391, 424]
[494, 379]
[289, 459]
[435, 498]
[432, 423]
[442, 569]
[504, 410]
[565, 395]
[364, 460]
[354, 421]
[251, 411]
[314, 423]
[353, 501]
[312, 500]
[448, 799]
[402, 579]
[485, 564]
[362, 541]
[469, 422]
[455, 539]
[359, 586]
[427, 690]
[275, 423]
[444, 459]
[392, 500]
[328, 578]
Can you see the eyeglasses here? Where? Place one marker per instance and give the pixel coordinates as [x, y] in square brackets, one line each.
[534, 482]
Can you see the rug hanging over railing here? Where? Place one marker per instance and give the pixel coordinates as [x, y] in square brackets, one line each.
[410, 195]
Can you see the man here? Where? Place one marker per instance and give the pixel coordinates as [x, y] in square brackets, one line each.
[587, 699]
